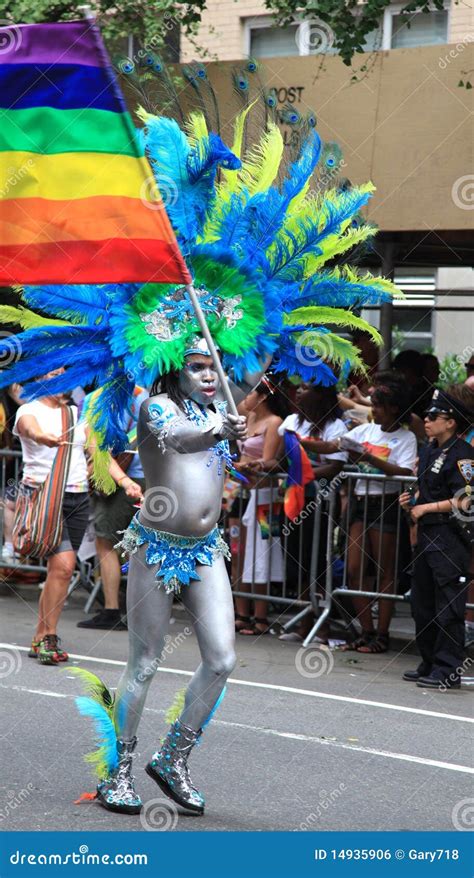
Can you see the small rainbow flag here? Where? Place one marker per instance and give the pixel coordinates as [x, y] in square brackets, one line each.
[78, 201]
[300, 473]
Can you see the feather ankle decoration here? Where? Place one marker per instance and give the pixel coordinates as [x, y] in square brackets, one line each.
[98, 705]
[176, 708]
[104, 760]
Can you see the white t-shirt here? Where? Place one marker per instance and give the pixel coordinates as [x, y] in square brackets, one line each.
[399, 448]
[38, 459]
[331, 431]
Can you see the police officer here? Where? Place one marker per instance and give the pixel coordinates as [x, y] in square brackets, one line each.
[442, 510]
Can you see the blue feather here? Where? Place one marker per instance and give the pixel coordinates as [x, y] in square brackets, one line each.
[290, 250]
[80, 303]
[326, 288]
[217, 704]
[109, 410]
[203, 162]
[314, 369]
[190, 171]
[168, 151]
[253, 222]
[43, 350]
[105, 731]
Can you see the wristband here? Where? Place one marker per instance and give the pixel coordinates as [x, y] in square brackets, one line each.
[122, 479]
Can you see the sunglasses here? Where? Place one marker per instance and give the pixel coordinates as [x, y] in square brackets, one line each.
[469, 366]
[434, 415]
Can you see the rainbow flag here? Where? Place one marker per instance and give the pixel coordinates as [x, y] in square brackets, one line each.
[300, 473]
[78, 201]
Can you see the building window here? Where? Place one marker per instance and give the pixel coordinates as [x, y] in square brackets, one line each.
[265, 40]
[428, 29]
[273, 42]
[413, 316]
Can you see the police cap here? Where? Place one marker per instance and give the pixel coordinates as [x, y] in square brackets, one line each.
[443, 403]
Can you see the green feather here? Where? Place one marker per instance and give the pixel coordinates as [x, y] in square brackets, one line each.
[331, 348]
[101, 458]
[27, 319]
[323, 315]
[94, 688]
[175, 709]
[262, 162]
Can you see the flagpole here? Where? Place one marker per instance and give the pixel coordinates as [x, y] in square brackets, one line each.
[212, 349]
[89, 15]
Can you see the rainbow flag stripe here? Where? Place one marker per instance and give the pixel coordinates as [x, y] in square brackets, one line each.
[78, 201]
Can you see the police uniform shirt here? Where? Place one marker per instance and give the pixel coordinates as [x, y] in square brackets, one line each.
[445, 471]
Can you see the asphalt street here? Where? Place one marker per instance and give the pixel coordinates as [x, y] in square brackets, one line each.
[304, 740]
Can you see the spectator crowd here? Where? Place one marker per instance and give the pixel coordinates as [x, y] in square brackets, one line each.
[376, 426]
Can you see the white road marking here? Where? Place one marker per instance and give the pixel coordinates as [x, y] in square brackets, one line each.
[273, 687]
[292, 736]
[35, 691]
[404, 757]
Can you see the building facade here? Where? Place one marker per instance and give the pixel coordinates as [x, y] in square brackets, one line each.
[407, 125]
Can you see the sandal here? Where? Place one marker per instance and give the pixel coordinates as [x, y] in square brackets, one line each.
[254, 630]
[377, 645]
[364, 640]
[50, 652]
[245, 620]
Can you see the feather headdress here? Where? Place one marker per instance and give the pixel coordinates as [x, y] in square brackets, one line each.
[264, 237]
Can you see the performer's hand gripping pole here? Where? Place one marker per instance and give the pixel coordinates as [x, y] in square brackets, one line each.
[212, 349]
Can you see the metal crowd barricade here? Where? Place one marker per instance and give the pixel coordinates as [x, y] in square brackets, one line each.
[299, 594]
[302, 594]
[82, 577]
[348, 477]
[332, 594]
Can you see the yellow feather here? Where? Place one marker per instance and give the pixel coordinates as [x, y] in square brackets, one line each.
[196, 127]
[27, 319]
[176, 708]
[143, 114]
[262, 162]
[259, 169]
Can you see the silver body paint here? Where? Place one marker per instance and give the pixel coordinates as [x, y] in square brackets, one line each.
[174, 452]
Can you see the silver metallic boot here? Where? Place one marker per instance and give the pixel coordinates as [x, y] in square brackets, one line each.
[169, 767]
[117, 792]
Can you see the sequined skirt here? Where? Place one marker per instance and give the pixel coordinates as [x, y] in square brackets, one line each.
[177, 556]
